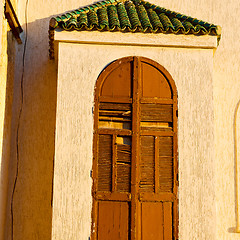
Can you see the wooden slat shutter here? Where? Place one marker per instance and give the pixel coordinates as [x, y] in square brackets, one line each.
[135, 153]
[147, 164]
[105, 163]
[123, 168]
[158, 164]
[166, 178]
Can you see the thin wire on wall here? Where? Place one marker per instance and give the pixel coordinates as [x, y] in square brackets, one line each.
[236, 167]
[20, 115]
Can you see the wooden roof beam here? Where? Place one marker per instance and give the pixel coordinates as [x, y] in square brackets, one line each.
[13, 20]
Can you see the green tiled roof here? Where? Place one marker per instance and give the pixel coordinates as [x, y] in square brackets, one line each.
[131, 16]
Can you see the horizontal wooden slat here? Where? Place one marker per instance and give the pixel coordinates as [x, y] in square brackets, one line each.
[157, 100]
[115, 99]
[156, 124]
[115, 119]
[119, 132]
[155, 129]
[113, 113]
[156, 112]
[162, 132]
[123, 153]
[115, 106]
[118, 125]
[116, 196]
[156, 197]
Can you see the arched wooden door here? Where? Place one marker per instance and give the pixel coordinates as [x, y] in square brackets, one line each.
[135, 153]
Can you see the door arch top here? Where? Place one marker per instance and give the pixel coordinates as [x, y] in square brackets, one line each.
[160, 78]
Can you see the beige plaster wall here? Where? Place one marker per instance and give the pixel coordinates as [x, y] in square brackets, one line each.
[1, 21]
[32, 211]
[78, 68]
[226, 97]
[32, 201]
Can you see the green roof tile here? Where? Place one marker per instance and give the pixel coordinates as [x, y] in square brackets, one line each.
[123, 16]
[102, 17]
[113, 17]
[132, 16]
[154, 19]
[167, 24]
[177, 24]
[143, 17]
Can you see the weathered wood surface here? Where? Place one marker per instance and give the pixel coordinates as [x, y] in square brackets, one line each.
[136, 167]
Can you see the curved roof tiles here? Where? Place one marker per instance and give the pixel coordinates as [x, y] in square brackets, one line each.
[131, 16]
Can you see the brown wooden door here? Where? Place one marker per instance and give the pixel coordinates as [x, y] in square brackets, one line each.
[135, 153]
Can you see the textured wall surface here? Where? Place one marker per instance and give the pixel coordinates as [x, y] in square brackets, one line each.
[3, 81]
[32, 201]
[7, 59]
[191, 69]
[1, 22]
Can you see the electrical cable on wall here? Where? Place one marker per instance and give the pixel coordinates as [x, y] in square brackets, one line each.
[20, 114]
[236, 167]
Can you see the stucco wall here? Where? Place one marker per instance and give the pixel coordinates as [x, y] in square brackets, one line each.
[1, 22]
[3, 81]
[7, 59]
[78, 68]
[32, 202]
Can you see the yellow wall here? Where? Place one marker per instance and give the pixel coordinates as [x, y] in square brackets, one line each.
[7, 59]
[32, 202]
[191, 69]
[3, 80]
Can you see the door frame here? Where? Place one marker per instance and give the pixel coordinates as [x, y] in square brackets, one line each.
[135, 140]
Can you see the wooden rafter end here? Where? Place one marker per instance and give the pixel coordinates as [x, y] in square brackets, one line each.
[13, 21]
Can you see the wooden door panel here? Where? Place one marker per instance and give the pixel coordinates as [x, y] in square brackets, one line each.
[167, 222]
[119, 82]
[113, 220]
[156, 218]
[151, 76]
[152, 221]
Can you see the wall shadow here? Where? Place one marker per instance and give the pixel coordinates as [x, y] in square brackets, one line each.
[32, 202]
[6, 137]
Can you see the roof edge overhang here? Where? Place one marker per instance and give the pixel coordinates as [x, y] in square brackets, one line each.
[130, 39]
